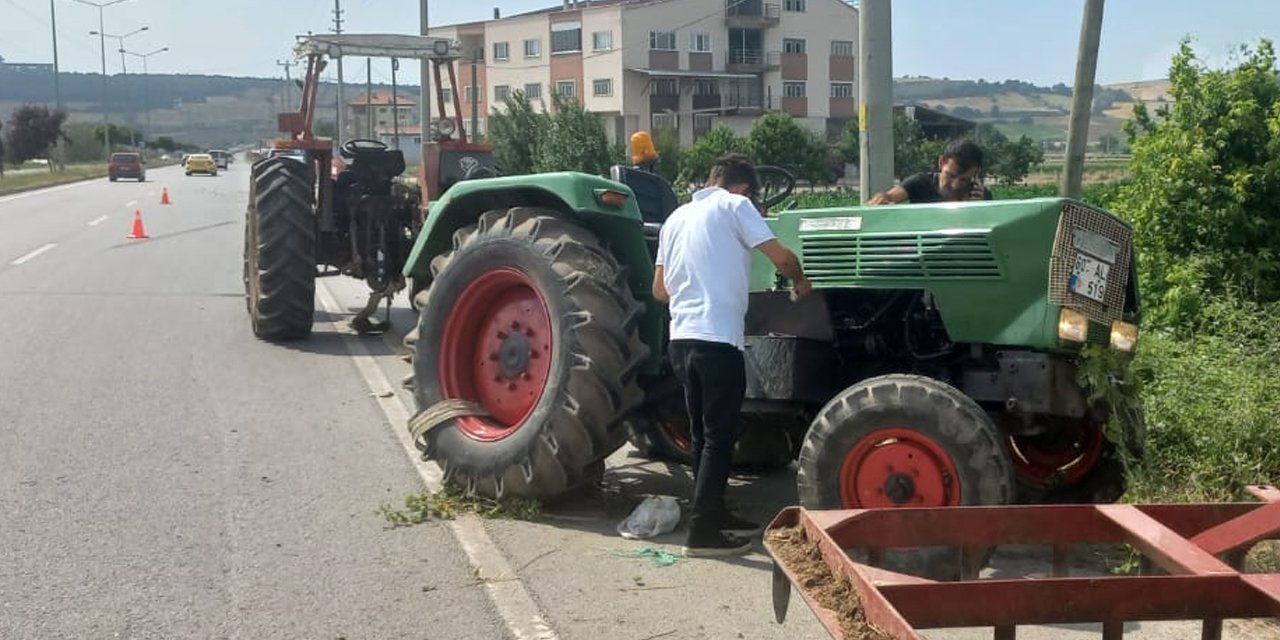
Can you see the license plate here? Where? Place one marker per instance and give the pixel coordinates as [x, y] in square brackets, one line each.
[1089, 277]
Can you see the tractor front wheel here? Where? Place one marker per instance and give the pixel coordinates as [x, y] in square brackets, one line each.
[279, 251]
[905, 441]
[528, 317]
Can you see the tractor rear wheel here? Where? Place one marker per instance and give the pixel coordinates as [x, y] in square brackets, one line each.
[531, 318]
[1076, 464]
[279, 251]
[905, 441]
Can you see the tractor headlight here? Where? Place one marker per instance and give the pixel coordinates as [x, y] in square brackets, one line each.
[1072, 325]
[1124, 336]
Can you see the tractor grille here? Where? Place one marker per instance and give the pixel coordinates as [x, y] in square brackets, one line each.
[837, 259]
[1079, 226]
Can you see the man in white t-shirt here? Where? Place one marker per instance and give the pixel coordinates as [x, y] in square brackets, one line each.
[702, 272]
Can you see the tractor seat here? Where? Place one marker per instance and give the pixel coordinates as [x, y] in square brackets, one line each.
[654, 195]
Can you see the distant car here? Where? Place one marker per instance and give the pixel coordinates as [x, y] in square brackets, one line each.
[292, 153]
[126, 165]
[221, 158]
[201, 163]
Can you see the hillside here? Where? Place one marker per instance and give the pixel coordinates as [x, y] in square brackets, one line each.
[1019, 108]
[205, 110]
[223, 110]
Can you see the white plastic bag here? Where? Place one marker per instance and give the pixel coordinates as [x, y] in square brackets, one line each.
[653, 517]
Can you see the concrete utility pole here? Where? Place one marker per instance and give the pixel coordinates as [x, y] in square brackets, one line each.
[337, 28]
[57, 81]
[288, 79]
[424, 82]
[1082, 99]
[875, 97]
[395, 102]
[368, 97]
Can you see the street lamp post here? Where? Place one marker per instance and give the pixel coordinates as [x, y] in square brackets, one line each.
[124, 70]
[146, 75]
[102, 43]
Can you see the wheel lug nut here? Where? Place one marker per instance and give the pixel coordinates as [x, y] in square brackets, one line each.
[528, 332]
[502, 335]
[515, 325]
[526, 376]
[493, 356]
[533, 355]
[511, 386]
[497, 378]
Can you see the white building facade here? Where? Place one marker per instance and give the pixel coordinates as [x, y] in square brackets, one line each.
[681, 64]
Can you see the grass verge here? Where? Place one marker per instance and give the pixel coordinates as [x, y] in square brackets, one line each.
[28, 181]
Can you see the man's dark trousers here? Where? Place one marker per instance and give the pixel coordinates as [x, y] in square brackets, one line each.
[714, 378]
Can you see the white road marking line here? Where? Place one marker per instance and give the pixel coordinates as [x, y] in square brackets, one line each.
[33, 254]
[98, 220]
[506, 590]
[130, 203]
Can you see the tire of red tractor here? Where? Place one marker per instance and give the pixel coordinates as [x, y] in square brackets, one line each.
[530, 317]
[279, 262]
[1102, 480]
[905, 441]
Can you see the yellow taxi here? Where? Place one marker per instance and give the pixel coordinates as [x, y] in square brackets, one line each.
[201, 163]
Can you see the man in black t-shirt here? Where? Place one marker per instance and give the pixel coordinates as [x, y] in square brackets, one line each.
[955, 180]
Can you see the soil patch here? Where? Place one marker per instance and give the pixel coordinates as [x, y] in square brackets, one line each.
[800, 555]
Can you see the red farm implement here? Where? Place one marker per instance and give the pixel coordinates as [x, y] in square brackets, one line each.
[1191, 560]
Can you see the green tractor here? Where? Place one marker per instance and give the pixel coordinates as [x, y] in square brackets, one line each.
[935, 363]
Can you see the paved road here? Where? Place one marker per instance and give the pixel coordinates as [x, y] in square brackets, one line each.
[164, 474]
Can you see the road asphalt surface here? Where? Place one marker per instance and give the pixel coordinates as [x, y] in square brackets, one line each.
[164, 474]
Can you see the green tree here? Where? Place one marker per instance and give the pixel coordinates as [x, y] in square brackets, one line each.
[695, 164]
[575, 141]
[851, 143]
[913, 152]
[667, 142]
[120, 134]
[32, 130]
[1007, 160]
[517, 134]
[777, 139]
[1204, 197]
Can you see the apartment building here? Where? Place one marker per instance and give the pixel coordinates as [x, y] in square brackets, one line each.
[372, 113]
[681, 64]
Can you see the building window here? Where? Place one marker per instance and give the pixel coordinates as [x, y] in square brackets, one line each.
[793, 45]
[566, 37]
[533, 91]
[662, 121]
[602, 41]
[532, 48]
[706, 88]
[842, 48]
[700, 42]
[602, 87]
[841, 89]
[501, 51]
[662, 40]
[567, 88]
[793, 5]
[665, 87]
[447, 95]
[793, 89]
[472, 98]
[501, 93]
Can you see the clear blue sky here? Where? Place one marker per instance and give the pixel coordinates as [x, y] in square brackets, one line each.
[1033, 40]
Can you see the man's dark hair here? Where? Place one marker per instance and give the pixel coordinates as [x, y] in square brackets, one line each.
[965, 152]
[735, 168]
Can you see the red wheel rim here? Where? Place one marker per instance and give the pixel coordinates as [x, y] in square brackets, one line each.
[898, 467]
[678, 432]
[1068, 464]
[496, 351]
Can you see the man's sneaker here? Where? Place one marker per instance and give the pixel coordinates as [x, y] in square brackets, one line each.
[741, 526]
[720, 544]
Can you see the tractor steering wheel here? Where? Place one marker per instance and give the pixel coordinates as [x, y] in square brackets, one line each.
[776, 184]
[354, 146]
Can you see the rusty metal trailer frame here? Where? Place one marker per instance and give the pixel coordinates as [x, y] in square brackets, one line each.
[1192, 555]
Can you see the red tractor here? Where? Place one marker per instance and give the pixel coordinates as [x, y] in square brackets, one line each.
[355, 214]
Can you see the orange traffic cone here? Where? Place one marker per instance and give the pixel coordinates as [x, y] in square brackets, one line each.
[164, 196]
[138, 231]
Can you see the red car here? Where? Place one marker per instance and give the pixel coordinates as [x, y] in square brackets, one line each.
[127, 165]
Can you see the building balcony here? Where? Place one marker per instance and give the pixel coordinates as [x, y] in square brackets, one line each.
[752, 14]
[752, 60]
